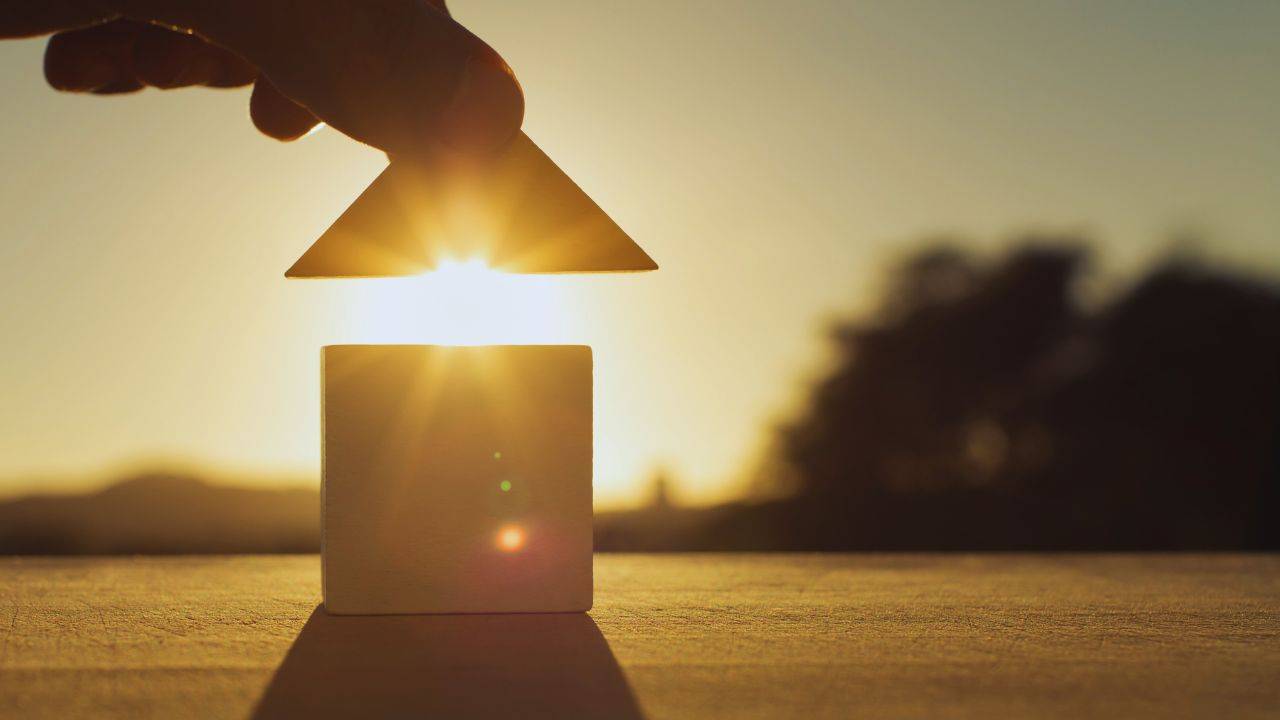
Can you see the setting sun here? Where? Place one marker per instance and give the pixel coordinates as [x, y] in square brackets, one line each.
[461, 302]
[463, 275]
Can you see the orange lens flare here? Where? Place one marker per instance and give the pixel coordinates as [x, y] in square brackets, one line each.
[510, 538]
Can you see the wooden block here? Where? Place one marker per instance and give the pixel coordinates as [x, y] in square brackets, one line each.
[456, 479]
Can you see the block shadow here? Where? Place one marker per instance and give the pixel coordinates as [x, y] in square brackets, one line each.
[449, 666]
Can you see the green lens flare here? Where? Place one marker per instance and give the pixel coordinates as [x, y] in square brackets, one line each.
[505, 485]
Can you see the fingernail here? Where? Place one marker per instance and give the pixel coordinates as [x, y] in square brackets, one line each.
[487, 108]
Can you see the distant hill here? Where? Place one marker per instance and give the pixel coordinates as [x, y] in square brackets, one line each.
[176, 514]
[162, 514]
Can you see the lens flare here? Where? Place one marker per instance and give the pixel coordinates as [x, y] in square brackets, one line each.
[511, 538]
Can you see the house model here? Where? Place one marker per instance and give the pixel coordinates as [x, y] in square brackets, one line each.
[458, 479]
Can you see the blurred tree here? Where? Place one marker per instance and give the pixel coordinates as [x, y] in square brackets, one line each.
[982, 408]
[917, 390]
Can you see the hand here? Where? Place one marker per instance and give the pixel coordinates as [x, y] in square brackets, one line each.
[400, 75]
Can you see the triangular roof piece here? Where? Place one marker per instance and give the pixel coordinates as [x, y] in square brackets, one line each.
[517, 211]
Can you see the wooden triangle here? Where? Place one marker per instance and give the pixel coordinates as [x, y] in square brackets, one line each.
[518, 212]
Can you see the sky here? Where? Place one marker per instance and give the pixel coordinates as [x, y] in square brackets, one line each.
[772, 157]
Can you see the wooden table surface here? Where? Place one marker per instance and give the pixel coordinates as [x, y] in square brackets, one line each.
[734, 636]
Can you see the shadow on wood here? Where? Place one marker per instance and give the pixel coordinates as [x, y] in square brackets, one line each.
[449, 666]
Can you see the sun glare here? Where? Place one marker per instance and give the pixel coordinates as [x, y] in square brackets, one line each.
[463, 275]
[511, 538]
[461, 302]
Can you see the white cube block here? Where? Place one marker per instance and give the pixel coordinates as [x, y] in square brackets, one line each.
[456, 479]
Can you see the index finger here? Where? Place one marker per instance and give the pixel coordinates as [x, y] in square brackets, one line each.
[398, 74]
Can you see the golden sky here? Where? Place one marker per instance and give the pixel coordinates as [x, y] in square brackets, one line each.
[770, 156]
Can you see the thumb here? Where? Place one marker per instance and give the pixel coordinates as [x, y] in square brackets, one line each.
[398, 74]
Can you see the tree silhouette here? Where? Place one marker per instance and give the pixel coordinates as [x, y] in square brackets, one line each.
[982, 408]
